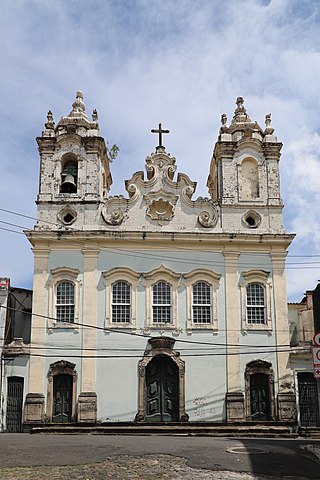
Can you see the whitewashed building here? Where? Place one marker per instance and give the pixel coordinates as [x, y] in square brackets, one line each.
[159, 306]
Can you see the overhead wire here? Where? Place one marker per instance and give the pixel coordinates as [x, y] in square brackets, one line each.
[114, 330]
[213, 354]
[156, 256]
[68, 229]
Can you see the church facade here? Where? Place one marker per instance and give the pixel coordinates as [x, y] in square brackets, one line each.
[158, 306]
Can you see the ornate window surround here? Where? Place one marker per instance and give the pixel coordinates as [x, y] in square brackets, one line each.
[115, 275]
[212, 278]
[58, 275]
[172, 278]
[261, 277]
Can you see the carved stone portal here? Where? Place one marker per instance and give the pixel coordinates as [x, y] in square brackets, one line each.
[264, 368]
[161, 346]
[62, 367]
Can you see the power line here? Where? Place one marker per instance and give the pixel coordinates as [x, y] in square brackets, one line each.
[215, 354]
[13, 231]
[71, 229]
[95, 327]
[161, 257]
[31, 218]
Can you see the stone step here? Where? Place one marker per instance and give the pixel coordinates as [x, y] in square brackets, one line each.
[197, 429]
[310, 432]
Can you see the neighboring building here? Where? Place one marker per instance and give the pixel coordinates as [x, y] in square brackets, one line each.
[15, 324]
[304, 320]
[159, 307]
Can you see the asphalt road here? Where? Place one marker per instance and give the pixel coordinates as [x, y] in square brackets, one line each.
[274, 457]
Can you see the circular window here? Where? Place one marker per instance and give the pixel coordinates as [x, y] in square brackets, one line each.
[251, 219]
[67, 215]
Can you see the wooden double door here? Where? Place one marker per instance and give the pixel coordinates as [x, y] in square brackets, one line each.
[62, 398]
[162, 390]
[259, 397]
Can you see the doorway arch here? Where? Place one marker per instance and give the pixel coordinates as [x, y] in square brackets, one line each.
[259, 384]
[62, 389]
[161, 383]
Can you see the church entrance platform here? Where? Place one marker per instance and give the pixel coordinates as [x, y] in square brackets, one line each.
[309, 432]
[267, 429]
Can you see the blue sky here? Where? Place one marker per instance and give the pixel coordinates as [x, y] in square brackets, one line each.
[182, 63]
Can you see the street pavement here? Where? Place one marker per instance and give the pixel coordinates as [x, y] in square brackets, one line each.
[92, 457]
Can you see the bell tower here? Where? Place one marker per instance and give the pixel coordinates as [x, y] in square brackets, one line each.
[74, 174]
[244, 175]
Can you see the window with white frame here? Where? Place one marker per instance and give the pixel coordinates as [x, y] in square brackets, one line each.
[161, 286]
[64, 297]
[256, 308]
[120, 297]
[201, 303]
[121, 302]
[255, 288]
[161, 302]
[65, 302]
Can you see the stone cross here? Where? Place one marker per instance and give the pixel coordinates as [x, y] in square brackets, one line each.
[160, 131]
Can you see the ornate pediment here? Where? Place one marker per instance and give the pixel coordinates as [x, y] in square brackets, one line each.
[160, 199]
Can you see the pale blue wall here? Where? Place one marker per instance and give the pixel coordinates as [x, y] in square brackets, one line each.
[117, 379]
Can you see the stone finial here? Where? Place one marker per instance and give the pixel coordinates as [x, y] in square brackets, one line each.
[240, 107]
[78, 107]
[268, 130]
[94, 115]
[240, 113]
[50, 123]
[223, 119]
[268, 120]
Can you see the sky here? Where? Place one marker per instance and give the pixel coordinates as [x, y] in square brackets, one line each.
[179, 62]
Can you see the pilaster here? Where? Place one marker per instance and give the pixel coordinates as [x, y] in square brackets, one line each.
[232, 321]
[89, 319]
[39, 321]
[281, 320]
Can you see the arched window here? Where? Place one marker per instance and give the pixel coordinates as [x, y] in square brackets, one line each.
[69, 177]
[65, 302]
[161, 302]
[201, 303]
[120, 298]
[121, 302]
[256, 308]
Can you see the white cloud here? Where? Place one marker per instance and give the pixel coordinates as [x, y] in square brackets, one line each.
[182, 63]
